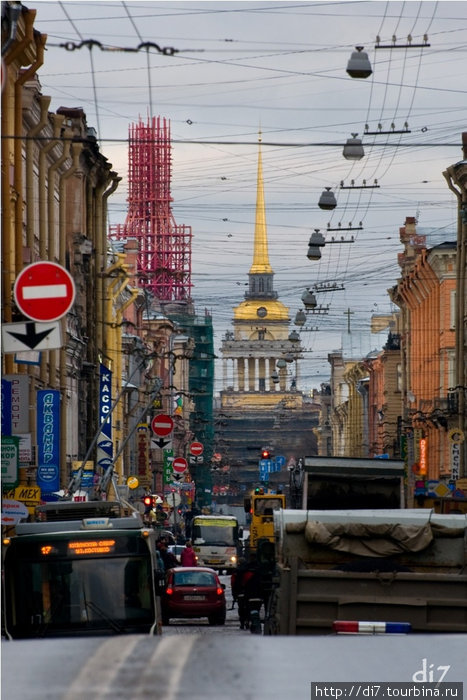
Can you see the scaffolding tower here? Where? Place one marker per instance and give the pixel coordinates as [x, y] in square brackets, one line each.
[164, 247]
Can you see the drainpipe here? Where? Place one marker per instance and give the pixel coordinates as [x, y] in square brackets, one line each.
[14, 12]
[52, 235]
[76, 149]
[31, 224]
[461, 305]
[100, 227]
[56, 165]
[101, 262]
[113, 332]
[57, 122]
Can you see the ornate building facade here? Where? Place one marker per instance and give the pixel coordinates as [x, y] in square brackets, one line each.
[261, 405]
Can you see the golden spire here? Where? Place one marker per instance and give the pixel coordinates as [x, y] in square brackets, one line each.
[260, 253]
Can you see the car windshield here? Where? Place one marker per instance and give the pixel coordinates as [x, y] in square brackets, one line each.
[194, 578]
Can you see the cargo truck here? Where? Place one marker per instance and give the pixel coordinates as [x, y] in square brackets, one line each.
[405, 565]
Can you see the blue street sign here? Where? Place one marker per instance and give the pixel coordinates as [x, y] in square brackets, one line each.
[280, 462]
[266, 464]
[263, 471]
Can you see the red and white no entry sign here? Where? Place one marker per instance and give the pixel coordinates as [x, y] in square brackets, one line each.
[162, 425]
[44, 291]
[179, 465]
[196, 448]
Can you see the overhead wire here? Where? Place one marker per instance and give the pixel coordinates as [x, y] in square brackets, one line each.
[355, 206]
[148, 61]
[91, 58]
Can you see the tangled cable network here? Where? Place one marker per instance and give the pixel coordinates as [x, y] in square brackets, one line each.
[91, 43]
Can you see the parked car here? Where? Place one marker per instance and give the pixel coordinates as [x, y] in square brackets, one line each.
[194, 592]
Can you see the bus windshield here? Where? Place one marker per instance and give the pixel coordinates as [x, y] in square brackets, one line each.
[80, 595]
[220, 535]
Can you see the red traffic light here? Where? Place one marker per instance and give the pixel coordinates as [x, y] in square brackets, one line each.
[147, 500]
[265, 454]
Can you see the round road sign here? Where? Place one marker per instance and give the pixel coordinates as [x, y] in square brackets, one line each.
[162, 425]
[196, 448]
[44, 291]
[179, 465]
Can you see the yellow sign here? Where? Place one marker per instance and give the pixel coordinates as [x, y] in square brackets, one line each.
[132, 482]
[442, 490]
[456, 435]
[29, 495]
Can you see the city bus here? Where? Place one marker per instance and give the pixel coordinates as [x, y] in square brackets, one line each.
[216, 540]
[81, 569]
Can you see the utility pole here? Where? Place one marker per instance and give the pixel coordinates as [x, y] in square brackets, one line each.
[348, 313]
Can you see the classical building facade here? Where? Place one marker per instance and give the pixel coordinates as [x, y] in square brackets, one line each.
[260, 403]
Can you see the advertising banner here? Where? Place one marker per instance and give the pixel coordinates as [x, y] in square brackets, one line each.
[20, 403]
[6, 407]
[168, 460]
[105, 448]
[10, 454]
[87, 475]
[48, 442]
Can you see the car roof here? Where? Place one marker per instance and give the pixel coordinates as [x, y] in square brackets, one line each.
[194, 568]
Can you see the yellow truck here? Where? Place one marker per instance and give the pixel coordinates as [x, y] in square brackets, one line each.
[261, 507]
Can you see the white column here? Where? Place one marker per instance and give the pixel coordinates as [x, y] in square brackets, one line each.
[224, 373]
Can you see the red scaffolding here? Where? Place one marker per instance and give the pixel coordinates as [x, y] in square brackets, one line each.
[164, 247]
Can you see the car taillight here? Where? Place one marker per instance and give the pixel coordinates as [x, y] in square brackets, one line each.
[169, 590]
[370, 627]
[219, 590]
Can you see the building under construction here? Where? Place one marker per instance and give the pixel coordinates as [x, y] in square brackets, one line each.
[164, 269]
[164, 257]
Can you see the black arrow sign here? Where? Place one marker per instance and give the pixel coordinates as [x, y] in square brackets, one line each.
[161, 442]
[31, 338]
[177, 477]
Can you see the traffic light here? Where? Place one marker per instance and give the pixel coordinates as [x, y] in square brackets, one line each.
[147, 500]
[265, 454]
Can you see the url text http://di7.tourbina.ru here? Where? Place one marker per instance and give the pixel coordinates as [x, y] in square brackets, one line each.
[386, 690]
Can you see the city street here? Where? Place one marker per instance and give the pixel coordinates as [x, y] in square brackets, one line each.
[231, 627]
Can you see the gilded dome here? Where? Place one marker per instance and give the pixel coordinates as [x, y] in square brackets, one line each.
[264, 310]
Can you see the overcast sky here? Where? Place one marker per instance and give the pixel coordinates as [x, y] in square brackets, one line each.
[229, 68]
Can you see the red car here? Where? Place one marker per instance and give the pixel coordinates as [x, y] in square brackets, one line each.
[194, 592]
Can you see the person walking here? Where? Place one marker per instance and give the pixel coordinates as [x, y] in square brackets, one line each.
[188, 556]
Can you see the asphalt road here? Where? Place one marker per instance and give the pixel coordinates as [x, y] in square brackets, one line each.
[231, 627]
[192, 661]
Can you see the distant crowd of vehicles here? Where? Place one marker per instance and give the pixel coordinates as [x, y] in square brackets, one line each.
[91, 567]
